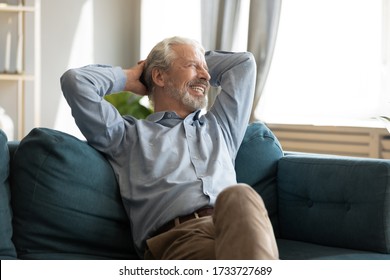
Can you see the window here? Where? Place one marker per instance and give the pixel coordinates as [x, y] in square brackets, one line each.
[330, 63]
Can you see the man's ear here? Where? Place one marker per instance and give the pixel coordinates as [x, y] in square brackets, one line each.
[158, 77]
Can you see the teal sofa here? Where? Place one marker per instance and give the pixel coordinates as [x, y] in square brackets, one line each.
[59, 199]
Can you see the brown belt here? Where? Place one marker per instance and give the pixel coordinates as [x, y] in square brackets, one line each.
[202, 212]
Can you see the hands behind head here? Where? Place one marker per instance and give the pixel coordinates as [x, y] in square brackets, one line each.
[133, 82]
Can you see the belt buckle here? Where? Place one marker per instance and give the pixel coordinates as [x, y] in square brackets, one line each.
[182, 219]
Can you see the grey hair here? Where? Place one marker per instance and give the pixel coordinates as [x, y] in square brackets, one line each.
[162, 56]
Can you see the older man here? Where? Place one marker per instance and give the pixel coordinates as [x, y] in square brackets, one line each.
[176, 168]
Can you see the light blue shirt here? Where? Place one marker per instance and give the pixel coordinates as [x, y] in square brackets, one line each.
[165, 166]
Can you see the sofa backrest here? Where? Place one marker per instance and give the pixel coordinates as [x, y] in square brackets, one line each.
[257, 163]
[335, 201]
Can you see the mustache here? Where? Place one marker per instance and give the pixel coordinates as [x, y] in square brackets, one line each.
[200, 82]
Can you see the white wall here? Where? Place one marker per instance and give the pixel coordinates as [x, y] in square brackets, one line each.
[72, 33]
[79, 32]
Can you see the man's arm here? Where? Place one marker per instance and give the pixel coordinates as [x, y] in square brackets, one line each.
[235, 73]
[84, 89]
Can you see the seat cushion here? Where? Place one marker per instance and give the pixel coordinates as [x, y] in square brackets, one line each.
[296, 250]
[66, 201]
[7, 249]
[256, 165]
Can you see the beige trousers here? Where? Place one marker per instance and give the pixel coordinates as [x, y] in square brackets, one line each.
[239, 229]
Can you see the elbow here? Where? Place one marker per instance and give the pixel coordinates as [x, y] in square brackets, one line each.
[70, 82]
[251, 61]
[66, 80]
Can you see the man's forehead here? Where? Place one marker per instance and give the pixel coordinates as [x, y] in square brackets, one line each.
[188, 52]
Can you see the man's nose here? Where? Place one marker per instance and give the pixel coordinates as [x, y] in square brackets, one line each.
[204, 74]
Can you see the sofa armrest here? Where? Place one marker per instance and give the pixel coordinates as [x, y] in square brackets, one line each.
[335, 201]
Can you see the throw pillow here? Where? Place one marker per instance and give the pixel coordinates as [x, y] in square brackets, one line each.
[66, 201]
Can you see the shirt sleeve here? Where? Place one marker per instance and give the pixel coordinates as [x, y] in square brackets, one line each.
[99, 121]
[235, 74]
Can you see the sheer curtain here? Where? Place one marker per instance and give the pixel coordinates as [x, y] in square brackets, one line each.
[220, 31]
[263, 26]
[220, 19]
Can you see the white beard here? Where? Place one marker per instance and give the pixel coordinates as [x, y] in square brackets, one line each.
[188, 100]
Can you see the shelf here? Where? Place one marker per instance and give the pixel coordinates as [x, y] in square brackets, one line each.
[13, 8]
[26, 86]
[16, 77]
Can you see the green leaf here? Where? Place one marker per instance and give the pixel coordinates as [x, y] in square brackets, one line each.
[128, 103]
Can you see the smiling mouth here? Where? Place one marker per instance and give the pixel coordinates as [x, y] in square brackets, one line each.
[200, 87]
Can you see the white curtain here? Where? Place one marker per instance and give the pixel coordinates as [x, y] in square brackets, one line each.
[220, 19]
[263, 26]
[220, 23]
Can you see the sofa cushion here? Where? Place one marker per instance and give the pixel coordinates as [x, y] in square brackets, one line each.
[66, 201]
[335, 201]
[7, 249]
[256, 165]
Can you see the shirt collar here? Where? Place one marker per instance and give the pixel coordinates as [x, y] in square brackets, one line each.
[158, 116]
[155, 117]
[198, 116]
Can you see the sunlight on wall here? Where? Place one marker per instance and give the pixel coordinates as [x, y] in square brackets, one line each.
[82, 47]
[82, 53]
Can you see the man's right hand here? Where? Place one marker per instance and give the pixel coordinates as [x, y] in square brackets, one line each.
[133, 82]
